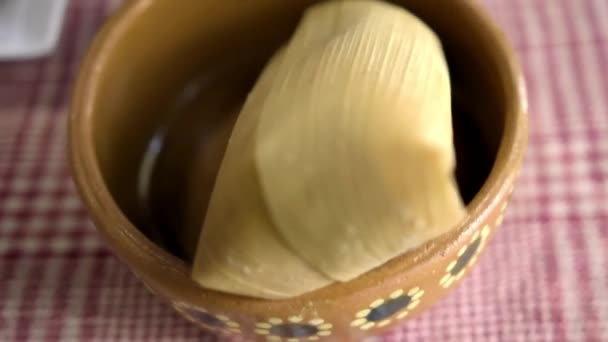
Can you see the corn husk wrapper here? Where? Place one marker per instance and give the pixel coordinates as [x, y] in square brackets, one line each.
[341, 159]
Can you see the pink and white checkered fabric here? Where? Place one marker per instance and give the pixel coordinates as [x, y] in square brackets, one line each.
[544, 277]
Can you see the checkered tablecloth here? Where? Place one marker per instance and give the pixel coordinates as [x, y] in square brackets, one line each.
[544, 277]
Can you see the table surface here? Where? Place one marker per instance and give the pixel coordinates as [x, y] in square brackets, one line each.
[544, 277]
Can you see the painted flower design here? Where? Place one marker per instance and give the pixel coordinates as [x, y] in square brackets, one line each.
[382, 312]
[466, 257]
[294, 329]
[215, 322]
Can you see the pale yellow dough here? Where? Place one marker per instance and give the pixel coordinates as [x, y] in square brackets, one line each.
[341, 159]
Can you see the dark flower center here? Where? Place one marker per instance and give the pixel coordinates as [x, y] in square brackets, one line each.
[294, 330]
[468, 254]
[389, 308]
[208, 319]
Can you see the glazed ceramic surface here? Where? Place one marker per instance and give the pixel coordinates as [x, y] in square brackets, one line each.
[153, 108]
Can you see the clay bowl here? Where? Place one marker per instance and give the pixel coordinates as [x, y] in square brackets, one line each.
[155, 102]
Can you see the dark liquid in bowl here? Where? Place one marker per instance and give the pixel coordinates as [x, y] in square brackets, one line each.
[178, 170]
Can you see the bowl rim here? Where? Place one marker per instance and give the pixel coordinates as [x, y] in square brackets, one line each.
[170, 274]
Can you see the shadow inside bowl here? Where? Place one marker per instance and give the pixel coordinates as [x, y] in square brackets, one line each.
[160, 161]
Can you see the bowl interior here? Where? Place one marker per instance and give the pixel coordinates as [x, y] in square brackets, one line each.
[172, 85]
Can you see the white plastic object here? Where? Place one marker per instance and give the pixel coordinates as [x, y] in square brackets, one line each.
[30, 28]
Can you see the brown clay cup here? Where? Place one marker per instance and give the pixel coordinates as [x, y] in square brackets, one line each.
[161, 86]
